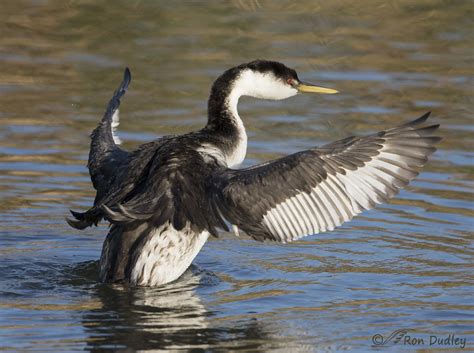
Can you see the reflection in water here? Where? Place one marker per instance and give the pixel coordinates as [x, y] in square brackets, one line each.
[147, 318]
[168, 317]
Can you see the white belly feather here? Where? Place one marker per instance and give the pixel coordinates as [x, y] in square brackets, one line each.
[166, 255]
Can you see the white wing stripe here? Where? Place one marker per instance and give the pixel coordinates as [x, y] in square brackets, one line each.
[331, 199]
[285, 216]
[272, 225]
[279, 221]
[357, 197]
[115, 123]
[284, 223]
[296, 216]
[302, 216]
[329, 208]
[345, 192]
[322, 207]
[376, 176]
[309, 213]
[385, 179]
[318, 224]
[377, 186]
[369, 195]
[381, 163]
[342, 203]
[320, 214]
[345, 201]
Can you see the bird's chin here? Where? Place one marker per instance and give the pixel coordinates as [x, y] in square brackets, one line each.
[282, 94]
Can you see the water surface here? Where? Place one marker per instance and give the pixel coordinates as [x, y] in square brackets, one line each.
[406, 265]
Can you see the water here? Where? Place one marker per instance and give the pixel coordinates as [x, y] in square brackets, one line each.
[406, 265]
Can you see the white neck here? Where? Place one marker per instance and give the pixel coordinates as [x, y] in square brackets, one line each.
[254, 84]
[237, 156]
[258, 85]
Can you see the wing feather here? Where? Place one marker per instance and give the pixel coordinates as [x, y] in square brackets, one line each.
[105, 156]
[319, 189]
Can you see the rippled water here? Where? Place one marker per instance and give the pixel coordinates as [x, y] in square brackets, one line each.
[406, 265]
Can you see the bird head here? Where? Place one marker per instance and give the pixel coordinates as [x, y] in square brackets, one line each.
[271, 80]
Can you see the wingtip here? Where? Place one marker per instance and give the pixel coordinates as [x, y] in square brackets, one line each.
[127, 78]
[413, 123]
[127, 75]
[421, 119]
[118, 94]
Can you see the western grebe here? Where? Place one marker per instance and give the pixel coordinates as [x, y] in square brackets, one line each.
[165, 198]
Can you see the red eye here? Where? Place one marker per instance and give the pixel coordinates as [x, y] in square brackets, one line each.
[289, 81]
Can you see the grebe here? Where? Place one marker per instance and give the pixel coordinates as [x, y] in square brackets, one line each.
[165, 198]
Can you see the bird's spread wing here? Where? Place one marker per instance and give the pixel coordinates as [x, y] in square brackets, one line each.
[115, 173]
[317, 190]
[105, 155]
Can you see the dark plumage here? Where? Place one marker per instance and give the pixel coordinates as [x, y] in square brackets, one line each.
[165, 197]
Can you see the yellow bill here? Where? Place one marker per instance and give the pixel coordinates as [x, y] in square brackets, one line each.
[304, 88]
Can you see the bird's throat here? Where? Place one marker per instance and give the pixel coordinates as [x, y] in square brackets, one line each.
[224, 120]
